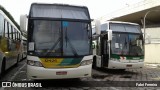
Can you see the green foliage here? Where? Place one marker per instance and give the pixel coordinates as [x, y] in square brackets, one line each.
[9, 16]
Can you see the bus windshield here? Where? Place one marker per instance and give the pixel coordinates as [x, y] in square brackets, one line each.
[127, 44]
[61, 38]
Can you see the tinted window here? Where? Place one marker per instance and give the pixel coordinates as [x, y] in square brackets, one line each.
[76, 38]
[6, 29]
[127, 44]
[1, 24]
[13, 33]
[119, 27]
[10, 31]
[16, 35]
[61, 38]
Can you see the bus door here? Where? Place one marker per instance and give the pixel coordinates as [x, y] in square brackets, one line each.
[104, 51]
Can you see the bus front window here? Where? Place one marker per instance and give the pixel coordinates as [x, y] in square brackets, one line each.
[46, 35]
[127, 44]
[135, 44]
[61, 38]
[76, 40]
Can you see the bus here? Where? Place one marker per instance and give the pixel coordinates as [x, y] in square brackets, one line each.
[59, 41]
[10, 42]
[118, 45]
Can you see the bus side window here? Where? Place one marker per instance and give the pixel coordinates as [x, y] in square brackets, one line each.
[14, 34]
[11, 32]
[17, 35]
[6, 29]
[19, 38]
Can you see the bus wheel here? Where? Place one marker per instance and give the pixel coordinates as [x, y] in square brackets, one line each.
[94, 63]
[3, 67]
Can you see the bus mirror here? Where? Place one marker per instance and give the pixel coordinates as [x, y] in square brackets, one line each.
[23, 22]
[98, 27]
[109, 35]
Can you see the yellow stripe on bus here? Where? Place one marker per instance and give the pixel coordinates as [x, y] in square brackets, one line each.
[51, 62]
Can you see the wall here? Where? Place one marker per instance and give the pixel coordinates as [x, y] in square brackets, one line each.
[152, 53]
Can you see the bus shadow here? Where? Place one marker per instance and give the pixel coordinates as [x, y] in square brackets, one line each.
[105, 74]
[10, 71]
[4, 75]
[114, 71]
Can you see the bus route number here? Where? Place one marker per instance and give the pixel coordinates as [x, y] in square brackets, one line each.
[50, 60]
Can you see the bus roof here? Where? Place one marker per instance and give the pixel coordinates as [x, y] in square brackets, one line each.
[9, 20]
[59, 11]
[121, 22]
[2, 9]
[104, 27]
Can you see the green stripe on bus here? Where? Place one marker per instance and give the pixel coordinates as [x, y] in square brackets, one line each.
[127, 57]
[70, 61]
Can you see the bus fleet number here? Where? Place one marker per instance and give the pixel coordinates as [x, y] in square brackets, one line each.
[50, 60]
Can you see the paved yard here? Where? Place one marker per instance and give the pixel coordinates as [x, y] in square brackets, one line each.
[102, 79]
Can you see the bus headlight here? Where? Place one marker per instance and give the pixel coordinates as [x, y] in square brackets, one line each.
[86, 62]
[34, 63]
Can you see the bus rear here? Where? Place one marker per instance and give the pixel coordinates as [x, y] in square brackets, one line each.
[59, 42]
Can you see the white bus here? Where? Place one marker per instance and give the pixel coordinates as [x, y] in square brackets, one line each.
[118, 45]
[10, 42]
[59, 41]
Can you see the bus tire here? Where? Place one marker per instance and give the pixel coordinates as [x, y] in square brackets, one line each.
[3, 67]
[94, 63]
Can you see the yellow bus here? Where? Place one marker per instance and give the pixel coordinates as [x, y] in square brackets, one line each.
[59, 41]
[10, 43]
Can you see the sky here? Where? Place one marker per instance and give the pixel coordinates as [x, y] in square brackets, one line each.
[97, 8]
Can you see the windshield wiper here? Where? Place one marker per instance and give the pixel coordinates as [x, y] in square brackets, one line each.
[53, 47]
[56, 43]
[70, 44]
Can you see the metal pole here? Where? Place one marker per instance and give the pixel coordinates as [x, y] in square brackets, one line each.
[144, 25]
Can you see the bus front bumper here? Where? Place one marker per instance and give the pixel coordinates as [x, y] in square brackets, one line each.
[122, 65]
[58, 73]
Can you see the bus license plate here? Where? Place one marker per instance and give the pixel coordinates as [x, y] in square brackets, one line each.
[128, 65]
[61, 73]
